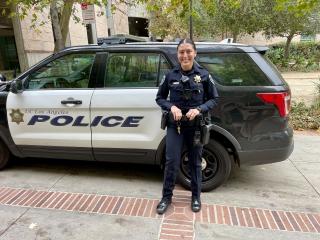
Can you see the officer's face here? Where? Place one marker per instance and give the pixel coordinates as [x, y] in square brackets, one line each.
[186, 54]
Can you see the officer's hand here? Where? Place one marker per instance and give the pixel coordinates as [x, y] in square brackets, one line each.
[192, 113]
[177, 114]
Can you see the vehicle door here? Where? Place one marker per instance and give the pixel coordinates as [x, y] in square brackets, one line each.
[51, 115]
[125, 116]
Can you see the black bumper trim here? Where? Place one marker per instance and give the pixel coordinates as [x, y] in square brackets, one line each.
[259, 157]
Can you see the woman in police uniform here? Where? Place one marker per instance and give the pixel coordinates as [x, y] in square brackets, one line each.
[192, 91]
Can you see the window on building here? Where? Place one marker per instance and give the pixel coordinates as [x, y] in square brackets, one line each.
[135, 69]
[69, 71]
[138, 26]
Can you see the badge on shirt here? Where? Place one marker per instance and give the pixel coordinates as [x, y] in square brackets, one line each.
[197, 79]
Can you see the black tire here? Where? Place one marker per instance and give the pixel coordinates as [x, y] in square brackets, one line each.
[216, 167]
[4, 155]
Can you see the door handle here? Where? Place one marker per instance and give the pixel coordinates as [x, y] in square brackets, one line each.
[71, 101]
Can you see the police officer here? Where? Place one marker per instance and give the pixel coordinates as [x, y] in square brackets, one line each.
[192, 91]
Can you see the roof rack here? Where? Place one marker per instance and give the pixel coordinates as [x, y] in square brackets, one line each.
[227, 40]
[120, 39]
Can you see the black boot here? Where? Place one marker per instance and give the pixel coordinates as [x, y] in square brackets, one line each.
[163, 205]
[195, 204]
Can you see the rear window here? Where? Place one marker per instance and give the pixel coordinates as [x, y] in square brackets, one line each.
[233, 69]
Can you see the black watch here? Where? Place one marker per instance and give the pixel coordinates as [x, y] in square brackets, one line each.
[199, 109]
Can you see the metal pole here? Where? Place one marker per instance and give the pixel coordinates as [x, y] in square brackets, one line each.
[190, 24]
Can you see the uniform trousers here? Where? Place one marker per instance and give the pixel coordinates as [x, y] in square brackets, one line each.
[174, 146]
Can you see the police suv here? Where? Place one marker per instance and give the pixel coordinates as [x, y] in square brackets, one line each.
[97, 103]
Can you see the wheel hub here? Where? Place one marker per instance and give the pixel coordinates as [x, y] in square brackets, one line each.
[209, 166]
[203, 164]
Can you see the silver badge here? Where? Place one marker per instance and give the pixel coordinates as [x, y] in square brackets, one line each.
[197, 79]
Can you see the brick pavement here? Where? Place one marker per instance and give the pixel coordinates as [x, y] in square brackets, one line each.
[177, 223]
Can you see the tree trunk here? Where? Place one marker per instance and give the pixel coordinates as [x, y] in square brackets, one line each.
[60, 25]
[234, 36]
[65, 19]
[287, 47]
[54, 14]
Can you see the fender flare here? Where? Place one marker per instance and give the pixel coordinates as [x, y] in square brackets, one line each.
[226, 134]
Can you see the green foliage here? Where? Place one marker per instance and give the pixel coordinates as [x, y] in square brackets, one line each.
[298, 7]
[303, 57]
[287, 18]
[211, 18]
[305, 117]
[234, 18]
[214, 19]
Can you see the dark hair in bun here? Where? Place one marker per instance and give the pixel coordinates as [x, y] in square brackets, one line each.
[187, 40]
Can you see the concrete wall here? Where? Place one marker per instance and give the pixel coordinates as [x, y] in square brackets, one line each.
[37, 43]
[120, 20]
[77, 31]
[138, 11]
[34, 45]
[101, 22]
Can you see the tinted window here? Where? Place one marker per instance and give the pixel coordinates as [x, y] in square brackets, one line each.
[233, 69]
[135, 69]
[164, 68]
[70, 71]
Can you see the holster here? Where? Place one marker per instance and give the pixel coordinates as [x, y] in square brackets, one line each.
[164, 119]
[205, 127]
[205, 134]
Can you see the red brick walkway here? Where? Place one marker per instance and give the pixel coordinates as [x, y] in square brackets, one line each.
[179, 220]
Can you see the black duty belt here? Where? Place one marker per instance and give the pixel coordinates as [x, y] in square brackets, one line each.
[184, 121]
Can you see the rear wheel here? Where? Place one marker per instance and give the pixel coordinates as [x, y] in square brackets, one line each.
[216, 167]
[4, 155]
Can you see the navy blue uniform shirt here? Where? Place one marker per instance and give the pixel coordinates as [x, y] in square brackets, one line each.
[188, 90]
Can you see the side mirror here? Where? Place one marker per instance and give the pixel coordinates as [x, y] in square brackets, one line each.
[2, 78]
[16, 86]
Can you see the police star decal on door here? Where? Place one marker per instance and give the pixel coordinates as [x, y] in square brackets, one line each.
[16, 116]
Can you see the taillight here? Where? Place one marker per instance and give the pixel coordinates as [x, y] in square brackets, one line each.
[281, 99]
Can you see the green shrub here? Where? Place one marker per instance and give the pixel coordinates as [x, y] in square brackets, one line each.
[304, 117]
[303, 56]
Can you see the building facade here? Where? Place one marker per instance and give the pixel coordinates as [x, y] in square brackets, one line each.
[21, 46]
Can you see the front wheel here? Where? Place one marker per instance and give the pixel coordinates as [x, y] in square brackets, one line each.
[4, 155]
[216, 167]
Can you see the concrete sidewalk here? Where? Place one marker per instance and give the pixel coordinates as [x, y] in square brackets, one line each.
[302, 85]
[77, 200]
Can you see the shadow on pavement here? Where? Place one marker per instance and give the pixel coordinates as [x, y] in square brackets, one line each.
[89, 168]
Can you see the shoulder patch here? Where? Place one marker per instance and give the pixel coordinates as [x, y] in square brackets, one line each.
[211, 79]
[163, 79]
